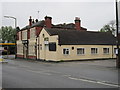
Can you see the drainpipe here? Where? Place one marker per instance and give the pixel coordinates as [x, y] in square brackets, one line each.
[118, 41]
[36, 48]
[112, 52]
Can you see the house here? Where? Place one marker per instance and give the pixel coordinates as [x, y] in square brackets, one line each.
[56, 44]
[44, 41]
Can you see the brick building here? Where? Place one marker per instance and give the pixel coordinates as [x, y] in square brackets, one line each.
[45, 41]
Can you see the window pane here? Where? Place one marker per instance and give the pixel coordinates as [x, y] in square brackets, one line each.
[52, 46]
[106, 50]
[67, 52]
[94, 50]
[64, 51]
[80, 50]
[115, 50]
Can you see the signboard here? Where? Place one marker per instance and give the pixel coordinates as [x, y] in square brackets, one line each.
[24, 41]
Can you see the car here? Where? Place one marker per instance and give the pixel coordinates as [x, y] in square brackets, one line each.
[1, 58]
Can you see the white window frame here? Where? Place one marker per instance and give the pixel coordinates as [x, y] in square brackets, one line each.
[95, 51]
[107, 51]
[82, 51]
[67, 50]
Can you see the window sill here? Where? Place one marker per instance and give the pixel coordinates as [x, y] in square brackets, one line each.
[80, 54]
[94, 54]
[106, 54]
[66, 54]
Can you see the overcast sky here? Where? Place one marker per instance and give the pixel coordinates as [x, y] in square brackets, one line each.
[92, 14]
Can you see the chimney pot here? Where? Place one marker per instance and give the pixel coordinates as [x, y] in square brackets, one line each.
[77, 23]
[36, 20]
[77, 18]
[30, 21]
[33, 21]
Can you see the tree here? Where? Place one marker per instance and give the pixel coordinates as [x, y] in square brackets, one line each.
[7, 34]
[110, 27]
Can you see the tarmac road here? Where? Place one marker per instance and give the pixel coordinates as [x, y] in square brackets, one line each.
[81, 74]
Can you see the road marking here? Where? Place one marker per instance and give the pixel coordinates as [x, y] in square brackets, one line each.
[92, 81]
[108, 84]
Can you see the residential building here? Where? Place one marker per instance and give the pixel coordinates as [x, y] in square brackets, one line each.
[43, 40]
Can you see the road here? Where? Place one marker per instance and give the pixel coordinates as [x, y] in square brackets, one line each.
[81, 74]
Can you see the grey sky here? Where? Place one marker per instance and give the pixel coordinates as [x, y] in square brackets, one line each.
[93, 14]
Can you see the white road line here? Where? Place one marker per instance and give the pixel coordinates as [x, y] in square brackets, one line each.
[98, 82]
[108, 84]
[69, 76]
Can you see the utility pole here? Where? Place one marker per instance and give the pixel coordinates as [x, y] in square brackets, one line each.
[117, 41]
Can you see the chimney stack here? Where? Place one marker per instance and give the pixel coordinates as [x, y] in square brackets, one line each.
[77, 23]
[33, 21]
[48, 22]
[30, 21]
[36, 20]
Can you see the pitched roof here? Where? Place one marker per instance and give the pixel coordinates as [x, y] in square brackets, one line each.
[67, 26]
[75, 37]
[26, 27]
[60, 26]
[37, 24]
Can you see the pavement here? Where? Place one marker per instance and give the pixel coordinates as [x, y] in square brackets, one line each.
[8, 57]
[20, 73]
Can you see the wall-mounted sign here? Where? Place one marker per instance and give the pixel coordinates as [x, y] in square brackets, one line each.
[24, 41]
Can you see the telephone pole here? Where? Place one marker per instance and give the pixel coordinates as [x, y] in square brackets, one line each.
[117, 41]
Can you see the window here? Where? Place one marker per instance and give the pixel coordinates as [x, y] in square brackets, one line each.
[24, 35]
[106, 50]
[80, 51]
[66, 51]
[52, 46]
[46, 39]
[32, 33]
[94, 50]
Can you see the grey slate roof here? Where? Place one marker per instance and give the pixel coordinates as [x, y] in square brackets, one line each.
[26, 27]
[75, 37]
[67, 26]
[62, 26]
[37, 24]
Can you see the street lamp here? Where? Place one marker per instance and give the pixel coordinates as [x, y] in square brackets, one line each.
[16, 31]
[12, 18]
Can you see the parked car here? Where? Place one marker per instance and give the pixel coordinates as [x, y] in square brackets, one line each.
[1, 58]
